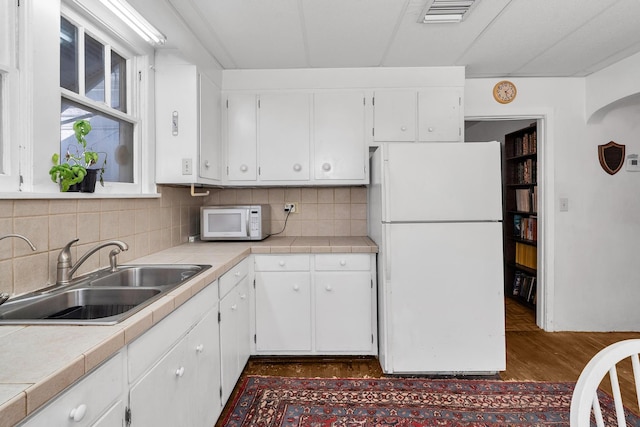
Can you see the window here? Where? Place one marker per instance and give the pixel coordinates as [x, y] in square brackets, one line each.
[95, 85]
[9, 97]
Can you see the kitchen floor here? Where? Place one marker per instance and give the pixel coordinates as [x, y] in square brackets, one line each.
[532, 355]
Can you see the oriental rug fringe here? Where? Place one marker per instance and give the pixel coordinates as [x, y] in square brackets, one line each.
[402, 402]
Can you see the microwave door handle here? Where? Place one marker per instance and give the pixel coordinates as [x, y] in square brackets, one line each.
[248, 230]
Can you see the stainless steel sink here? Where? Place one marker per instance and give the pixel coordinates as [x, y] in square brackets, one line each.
[100, 298]
[162, 275]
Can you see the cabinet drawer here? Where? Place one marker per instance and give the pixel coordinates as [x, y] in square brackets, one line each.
[148, 348]
[346, 262]
[88, 399]
[281, 262]
[232, 277]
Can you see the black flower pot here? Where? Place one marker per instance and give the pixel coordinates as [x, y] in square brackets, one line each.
[75, 188]
[88, 184]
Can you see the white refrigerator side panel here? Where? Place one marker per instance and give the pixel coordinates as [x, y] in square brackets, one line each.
[443, 182]
[447, 307]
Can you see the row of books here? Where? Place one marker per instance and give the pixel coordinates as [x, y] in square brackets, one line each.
[526, 255]
[525, 144]
[527, 199]
[524, 286]
[524, 172]
[525, 227]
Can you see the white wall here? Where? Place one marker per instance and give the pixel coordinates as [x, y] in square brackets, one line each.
[590, 252]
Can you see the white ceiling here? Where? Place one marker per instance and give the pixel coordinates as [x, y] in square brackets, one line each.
[545, 38]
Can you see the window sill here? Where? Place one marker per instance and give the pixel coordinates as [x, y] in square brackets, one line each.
[23, 195]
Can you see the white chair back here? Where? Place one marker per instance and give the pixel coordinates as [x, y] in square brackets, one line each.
[585, 396]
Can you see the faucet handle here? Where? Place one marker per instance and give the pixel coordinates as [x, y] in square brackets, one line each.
[65, 254]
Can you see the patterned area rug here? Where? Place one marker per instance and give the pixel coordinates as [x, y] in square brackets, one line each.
[400, 402]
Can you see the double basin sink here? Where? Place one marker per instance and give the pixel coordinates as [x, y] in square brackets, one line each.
[104, 297]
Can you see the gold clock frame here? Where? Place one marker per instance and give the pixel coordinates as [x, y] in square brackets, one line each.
[496, 95]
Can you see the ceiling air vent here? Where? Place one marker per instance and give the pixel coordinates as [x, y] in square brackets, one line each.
[446, 11]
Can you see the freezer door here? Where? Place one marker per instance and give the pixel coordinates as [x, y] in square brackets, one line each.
[445, 285]
[442, 182]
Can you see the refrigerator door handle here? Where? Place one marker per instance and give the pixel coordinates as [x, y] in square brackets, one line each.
[387, 252]
[385, 191]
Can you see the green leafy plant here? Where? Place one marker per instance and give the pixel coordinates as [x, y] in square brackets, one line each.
[73, 168]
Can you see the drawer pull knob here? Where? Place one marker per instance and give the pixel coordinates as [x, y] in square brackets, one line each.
[199, 348]
[343, 262]
[403, 128]
[297, 167]
[329, 288]
[234, 307]
[78, 413]
[244, 168]
[243, 296]
[326, 167]
[237, 273]
[296, 288]
[180, 371]
[281, 263]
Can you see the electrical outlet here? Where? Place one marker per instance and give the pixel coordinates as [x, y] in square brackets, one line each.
[290, 207]
[187, 167]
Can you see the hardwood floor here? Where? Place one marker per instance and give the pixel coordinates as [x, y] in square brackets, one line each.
[532, 355]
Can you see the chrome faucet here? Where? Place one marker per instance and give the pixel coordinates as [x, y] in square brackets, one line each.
[4, 295]
[19, 236]
[66, 268]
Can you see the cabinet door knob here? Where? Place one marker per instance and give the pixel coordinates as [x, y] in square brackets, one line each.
[430, 129]
[296, 288]
[281, 263]
[77, 413]
[199, 348]
[207, 164]
[234, 307]
[237, 273]
[243, 296]
[343, 262]
[244, 168]
[180, 371]
[326, 167]
[297, 167]
[328, 288]
[403, 128]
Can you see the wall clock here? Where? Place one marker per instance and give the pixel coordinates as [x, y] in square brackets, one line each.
[504, 92]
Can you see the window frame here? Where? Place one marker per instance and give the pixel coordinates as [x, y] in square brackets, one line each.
[10, 178]
[136, 114]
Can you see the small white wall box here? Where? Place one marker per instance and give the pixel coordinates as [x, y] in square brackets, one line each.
[633, 164]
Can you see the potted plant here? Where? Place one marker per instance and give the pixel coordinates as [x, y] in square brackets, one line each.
[73, 173]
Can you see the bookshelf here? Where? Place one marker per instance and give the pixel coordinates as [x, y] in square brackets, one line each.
[521, 215]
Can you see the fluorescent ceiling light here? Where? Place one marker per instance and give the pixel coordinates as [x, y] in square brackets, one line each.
[137, 22]
[446, 11]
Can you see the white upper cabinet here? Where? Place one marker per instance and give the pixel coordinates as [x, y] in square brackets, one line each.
[395, 115]
[433, 114]
[340, 149]
[188, 131]
[210, 140]
[440, 114]
[242, 133]
[297, 138]
[283, 135]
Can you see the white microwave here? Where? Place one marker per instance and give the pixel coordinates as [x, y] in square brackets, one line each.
[247, 222]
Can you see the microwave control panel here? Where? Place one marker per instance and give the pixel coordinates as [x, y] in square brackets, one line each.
[254, 223]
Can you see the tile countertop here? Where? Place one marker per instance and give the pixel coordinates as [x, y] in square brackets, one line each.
[38, 362]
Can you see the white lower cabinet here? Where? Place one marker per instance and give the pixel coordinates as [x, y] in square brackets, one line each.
[283, 311]
[92, 401]
[181, 386]
[234, 325]
[343, 311]
[315, 304]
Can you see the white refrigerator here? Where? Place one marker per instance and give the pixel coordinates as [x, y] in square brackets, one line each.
[435, 211]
